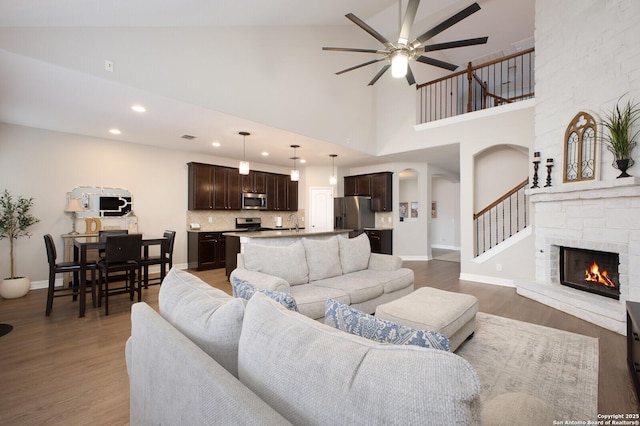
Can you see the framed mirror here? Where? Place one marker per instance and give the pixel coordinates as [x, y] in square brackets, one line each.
[102, 201]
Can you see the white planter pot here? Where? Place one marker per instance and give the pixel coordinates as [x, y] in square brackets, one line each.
[14, 288]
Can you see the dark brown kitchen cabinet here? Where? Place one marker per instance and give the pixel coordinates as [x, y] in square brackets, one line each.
[378, 186]
[255, 182]
[200, 186]
[357, 185]
[381, 184]
[282, 193]
[220, 188]
[226, 188]
[381, 240]
[206, 250]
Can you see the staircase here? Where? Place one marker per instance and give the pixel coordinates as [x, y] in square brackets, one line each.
[501, 219]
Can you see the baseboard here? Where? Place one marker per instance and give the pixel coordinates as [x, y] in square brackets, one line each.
[415, 258]
[485, 279]
[445, 247]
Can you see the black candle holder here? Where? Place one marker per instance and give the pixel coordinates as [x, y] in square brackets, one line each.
[536, 164]
[549, 167]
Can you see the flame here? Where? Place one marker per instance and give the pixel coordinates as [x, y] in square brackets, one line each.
[594, 274]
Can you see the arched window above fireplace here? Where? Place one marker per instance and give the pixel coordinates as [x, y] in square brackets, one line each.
[580, 148]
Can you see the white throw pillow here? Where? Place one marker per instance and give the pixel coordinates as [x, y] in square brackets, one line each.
[288, 262]
[323, 258]
[208, 316]
[354, 253]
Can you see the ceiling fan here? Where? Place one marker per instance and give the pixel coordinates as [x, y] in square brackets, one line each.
[397, 55]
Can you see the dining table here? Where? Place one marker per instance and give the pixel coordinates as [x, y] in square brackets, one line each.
[85, 243]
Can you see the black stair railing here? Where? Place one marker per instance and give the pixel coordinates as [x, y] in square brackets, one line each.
[505, 80]
[502, 219]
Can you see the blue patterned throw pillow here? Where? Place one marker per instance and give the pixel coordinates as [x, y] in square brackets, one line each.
[345, 318]
[244, 290]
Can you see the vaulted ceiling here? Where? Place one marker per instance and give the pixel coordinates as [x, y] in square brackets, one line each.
[50, 88]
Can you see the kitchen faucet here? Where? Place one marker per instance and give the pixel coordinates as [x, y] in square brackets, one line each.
[295, 222]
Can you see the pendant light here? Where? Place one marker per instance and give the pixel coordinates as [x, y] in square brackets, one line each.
[244, 164]
[333, 179]
[295, 173]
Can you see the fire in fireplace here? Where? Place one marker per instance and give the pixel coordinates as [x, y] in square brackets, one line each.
[590, 270]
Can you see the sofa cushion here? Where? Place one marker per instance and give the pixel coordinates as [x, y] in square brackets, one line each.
[310, 298]
[287, 262]
[389, 280]
[206, 315]
[323, 258]
[244, 290]
[359, 290]
[315, 374]
[353, 321]
[354, 253]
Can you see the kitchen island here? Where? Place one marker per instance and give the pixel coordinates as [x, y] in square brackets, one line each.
[235, 241]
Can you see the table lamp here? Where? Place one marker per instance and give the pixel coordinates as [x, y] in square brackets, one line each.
[74, 207]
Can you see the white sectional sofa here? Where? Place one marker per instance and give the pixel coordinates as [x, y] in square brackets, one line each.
[210, 359]
[313, 270]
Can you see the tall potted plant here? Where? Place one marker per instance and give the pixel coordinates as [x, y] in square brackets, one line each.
[15, 218]
[620, 139]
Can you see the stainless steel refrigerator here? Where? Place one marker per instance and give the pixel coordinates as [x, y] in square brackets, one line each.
[353, 213]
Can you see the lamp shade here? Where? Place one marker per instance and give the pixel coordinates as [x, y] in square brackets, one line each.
[399, 64]
[295, 175]
[244, 167]
[74, 206]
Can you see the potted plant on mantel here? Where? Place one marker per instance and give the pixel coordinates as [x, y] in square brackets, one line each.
[15, 218]
[620, 140]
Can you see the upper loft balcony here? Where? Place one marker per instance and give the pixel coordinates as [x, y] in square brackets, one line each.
[478, 87]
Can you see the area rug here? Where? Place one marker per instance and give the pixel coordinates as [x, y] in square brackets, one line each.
[557, 367]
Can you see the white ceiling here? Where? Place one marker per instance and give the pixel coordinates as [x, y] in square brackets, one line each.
[35, 93]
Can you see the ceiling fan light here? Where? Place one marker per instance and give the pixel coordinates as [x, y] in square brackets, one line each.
[244, 167]
[399, 64]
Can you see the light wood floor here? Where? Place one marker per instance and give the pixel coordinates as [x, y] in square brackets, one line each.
[65, 370]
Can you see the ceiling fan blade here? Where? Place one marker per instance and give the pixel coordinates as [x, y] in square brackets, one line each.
[454, 44]
[464, 13]
[377, 76]
[360, 66]
[354, 49]
[359, 22]
[410, 79]
[407, 22]
[436, 63]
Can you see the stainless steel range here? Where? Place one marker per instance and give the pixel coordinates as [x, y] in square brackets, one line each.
[251, 224]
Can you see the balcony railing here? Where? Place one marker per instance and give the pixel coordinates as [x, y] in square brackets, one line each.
[506, 80]
[501, 219]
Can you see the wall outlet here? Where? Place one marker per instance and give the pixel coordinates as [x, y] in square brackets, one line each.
[498, 267]
[108, 65]
[389, 219]
[210, 219]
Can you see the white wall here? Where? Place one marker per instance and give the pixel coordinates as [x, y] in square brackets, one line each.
[498, 170]
[445, 227]
[46, 165]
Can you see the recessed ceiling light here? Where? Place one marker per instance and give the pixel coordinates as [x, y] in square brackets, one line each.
[115, 131]
[303, 161]
[265, 154]
[138, 108]
[216, 144]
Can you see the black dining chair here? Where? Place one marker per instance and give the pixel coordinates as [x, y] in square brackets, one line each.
[122, 254]
[70, 288]
[166, 256]
[104, 233]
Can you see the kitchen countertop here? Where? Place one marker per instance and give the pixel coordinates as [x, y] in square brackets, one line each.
[286, 233]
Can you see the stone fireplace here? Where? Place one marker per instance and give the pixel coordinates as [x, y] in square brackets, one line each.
[580, 219]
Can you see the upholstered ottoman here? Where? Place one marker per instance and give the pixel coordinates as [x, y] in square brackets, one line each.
[451, 314]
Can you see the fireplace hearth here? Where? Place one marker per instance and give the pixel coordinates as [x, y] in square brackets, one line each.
[591, 271]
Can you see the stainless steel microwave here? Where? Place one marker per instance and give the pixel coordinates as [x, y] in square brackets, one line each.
[254, 201]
